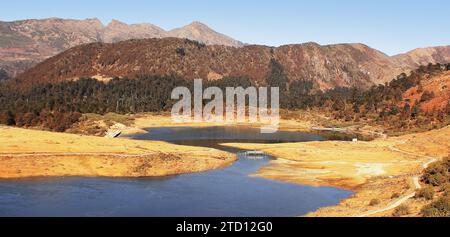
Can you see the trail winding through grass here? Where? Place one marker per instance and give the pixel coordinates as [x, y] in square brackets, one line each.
[415, 180]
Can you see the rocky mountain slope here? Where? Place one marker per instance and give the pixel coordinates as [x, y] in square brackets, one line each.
[424, 56]
[432, 94]
[327, 66]
[117, 31]
[25, 43]
[202, 33]
[105, 53]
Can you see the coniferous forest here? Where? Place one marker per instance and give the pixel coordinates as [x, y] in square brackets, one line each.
[58, 106]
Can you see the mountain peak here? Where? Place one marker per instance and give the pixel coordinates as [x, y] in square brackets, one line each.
[201, 32]
[95, 21]
[198, 24]
[115, 23]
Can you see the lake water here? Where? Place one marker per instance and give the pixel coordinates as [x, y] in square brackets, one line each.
[225, 192]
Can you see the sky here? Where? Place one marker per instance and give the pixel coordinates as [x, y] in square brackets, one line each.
[392, 26]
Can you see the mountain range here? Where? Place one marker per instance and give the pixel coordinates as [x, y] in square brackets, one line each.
[329, 66]
[27, 42]
[87, 48]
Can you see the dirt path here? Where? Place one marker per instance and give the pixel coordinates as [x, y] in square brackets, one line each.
[411, 194]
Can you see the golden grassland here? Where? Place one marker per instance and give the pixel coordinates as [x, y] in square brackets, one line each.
[383, 169]
[373, 170]
[342, 164]
[33, 153]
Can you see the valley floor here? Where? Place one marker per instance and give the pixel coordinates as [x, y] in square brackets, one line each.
[386, 169]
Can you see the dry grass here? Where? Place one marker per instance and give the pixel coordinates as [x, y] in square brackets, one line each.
[336, 163]
[375, 169]
[30, 153]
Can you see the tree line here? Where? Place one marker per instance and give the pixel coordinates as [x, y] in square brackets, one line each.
[58, 106]
[381, 104]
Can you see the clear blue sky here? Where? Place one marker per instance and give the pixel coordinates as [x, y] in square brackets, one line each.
[392, 26]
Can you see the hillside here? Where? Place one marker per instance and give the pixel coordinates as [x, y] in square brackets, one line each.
[424, 56]
[326, 66]
[117, 31]
[202, 33]
[432, 93]
[25, 43]
[415, 102]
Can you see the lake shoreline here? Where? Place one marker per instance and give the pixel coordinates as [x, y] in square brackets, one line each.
[376, 177]
[29, 153]
[144, 122]
[235, 172]
[374, 170]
